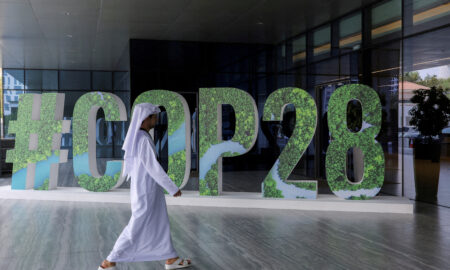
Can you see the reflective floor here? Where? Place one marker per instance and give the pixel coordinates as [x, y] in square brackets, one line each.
[66, 235]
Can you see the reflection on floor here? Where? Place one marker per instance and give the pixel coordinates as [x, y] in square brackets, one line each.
[444, 183]
[54, 235]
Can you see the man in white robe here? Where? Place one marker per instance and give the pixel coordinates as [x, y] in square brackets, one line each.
[147, 235]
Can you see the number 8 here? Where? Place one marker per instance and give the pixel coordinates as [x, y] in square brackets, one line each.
[343, 139]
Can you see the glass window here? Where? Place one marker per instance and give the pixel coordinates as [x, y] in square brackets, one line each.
[386, 18]
[41, 79]
[280, 51]
[427, 14]
[49, 80]
[350, 32]
[262, 62]
[75, 80]
[101, 81]
[13, 79]
[434, 8]
[299, 49]
[321, 41]
[121, 81]
[426, 66]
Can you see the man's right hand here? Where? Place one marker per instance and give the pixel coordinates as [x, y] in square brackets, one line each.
[178, 194]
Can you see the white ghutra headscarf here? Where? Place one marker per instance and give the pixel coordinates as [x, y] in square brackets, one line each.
[140, 112]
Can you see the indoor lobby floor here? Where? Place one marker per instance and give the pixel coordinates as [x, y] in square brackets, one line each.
[68, 235]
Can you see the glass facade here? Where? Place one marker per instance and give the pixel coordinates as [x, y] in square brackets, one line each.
[426, 66]
[386, 19]
[394, 46]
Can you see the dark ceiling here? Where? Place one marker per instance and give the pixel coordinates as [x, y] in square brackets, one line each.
[94, 34]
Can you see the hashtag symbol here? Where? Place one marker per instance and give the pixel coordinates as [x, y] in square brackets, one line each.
[38, 128]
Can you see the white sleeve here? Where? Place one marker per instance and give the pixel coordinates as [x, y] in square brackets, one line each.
[154, 169]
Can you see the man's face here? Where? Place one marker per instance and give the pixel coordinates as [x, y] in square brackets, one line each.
[150, 121]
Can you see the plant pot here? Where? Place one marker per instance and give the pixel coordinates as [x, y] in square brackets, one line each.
[426, 170]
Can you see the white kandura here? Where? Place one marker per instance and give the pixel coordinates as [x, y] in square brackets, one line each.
[147, 235]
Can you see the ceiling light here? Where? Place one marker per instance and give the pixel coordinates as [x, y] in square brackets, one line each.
[69, 36]
[67, 13]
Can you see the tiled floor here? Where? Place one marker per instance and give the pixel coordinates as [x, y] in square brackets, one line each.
[67, 235]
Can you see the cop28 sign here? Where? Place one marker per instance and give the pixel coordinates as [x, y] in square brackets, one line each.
[38, 130]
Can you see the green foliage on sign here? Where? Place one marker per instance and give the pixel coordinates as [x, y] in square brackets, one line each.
[337, 108]
[343, 139]
[44, 185]
[270, 188]
[211, 100]
[362, 197]
[81, 112]
[170, 101]
[101, 184]
[209, 187]
[21, 154]
[305, 125]
[80, 127]
[45, 128]
[230, 154]
[177, 162]
[173, 104]
[305, 185]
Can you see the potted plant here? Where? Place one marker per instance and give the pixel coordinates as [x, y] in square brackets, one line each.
[430, 116]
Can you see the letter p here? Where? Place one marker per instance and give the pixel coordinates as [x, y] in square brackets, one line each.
[212, 147]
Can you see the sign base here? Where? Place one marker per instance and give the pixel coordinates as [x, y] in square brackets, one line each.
[379, 204]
